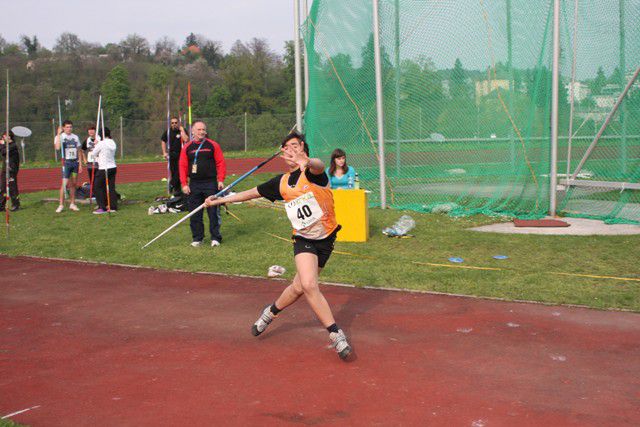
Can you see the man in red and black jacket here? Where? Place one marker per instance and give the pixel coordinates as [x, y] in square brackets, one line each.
[202, 173]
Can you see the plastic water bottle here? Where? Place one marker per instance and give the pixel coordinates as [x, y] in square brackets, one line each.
[401, 227]
[350, 182]
[404, 225]
[356, 184]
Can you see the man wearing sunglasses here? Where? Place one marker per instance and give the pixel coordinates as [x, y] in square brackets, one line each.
[171, 152]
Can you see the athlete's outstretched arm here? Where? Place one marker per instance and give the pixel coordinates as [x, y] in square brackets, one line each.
[316, 166]
[238, 197]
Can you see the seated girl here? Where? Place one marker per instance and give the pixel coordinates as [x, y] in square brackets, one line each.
[340, 174]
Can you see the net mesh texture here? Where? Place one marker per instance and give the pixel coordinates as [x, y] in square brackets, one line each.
[467, 101]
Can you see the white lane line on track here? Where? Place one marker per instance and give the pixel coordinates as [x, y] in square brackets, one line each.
[19, 412]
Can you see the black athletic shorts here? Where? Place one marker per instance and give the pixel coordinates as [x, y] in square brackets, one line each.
[322, 248]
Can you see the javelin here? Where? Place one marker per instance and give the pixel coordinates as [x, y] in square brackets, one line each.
[95, 141]
[189, 108]
[64, 180]
[106, 171]
[224, 190]
[6, 151]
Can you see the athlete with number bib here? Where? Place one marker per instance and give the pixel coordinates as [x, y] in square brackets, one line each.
[70, 144]
[309, 205]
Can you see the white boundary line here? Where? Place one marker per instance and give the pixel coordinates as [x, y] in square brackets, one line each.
[19, 412]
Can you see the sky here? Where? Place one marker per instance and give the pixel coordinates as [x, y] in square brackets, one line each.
[229, 20]
[111, 21]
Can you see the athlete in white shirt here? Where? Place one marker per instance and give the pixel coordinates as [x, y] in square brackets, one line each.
[104, 153]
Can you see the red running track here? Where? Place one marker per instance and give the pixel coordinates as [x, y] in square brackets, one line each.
[87, 345]
[30, 180]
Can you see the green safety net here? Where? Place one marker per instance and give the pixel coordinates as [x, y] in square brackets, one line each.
[466, 99]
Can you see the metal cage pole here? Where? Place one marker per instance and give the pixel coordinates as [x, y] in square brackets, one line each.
[296, 49]
[572, 84]
[397, 85]
[379, 107]
[623, 71]
[555, 83]
[305, 14]
[512, 89]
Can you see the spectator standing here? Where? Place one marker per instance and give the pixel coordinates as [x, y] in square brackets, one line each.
[14, 167]
[202, 174]
[171, 147]
[104, 153]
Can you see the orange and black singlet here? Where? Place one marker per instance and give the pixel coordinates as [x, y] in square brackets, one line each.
[309, 202]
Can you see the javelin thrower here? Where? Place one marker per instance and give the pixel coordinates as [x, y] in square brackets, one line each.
[309, 205]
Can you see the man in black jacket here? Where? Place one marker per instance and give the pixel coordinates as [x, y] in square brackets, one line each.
[171, 147]
[14, 166]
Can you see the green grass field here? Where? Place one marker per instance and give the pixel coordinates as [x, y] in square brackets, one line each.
[382, 262]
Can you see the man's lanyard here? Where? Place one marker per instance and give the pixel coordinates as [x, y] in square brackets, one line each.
[195, 158]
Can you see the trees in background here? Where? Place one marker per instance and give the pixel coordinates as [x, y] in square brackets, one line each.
[67, 43]
[135, 46]
[116, 93]
[31, 46]
[133, 76]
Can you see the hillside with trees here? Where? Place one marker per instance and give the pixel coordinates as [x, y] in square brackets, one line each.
[133, 76]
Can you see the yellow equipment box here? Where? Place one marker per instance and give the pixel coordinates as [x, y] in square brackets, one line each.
[352, 213]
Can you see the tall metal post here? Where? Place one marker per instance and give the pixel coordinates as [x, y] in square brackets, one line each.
[296, 49]
[245, 131]
[555, 83]
[121, 140]
[397, 94]
[512, 142]
[379, 106]
[305, 13]
[623, 70]
[55, 152]
[572, 84]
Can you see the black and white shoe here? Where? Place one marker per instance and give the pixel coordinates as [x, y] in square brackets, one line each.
[266, 317]
[339, 342]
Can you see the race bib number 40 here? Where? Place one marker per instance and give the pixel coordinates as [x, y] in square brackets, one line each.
[303, 211]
